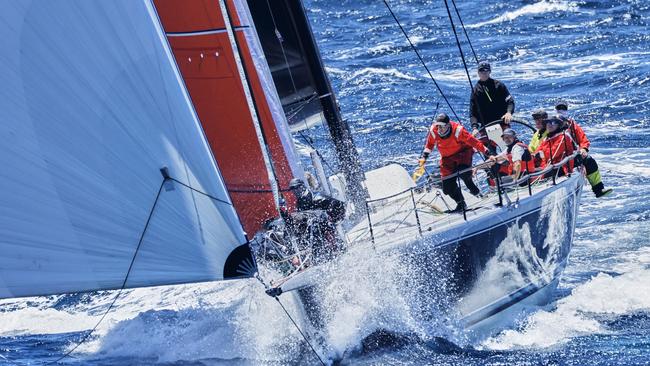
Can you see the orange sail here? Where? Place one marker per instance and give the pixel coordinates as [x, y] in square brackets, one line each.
[230, 103]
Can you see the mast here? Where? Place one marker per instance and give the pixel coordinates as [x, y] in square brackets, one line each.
[338, 128]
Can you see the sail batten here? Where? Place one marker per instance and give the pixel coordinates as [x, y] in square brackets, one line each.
[92, 107]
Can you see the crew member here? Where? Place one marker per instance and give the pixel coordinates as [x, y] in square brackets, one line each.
[306, 200]
[456, 147]
[490, 101]
[315, 222]
[578, 134]
[519, 159]
[539, 116]
[557, 145]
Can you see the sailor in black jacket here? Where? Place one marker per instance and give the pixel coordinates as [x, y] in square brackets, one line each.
[490, 101]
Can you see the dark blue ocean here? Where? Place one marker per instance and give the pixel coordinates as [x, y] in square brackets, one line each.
[595, 54]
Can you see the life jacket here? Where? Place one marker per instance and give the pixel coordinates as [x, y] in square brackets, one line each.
[556, 147]
[527, 162]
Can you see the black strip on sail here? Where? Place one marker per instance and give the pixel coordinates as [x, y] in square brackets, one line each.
[288, 63]
[302, 83]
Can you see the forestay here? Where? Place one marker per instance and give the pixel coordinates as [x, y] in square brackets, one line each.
[91, 108]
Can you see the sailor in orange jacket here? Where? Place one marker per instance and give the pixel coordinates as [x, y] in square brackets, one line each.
[456, 147]
[520, 160]
[578, 134]
[557, 145]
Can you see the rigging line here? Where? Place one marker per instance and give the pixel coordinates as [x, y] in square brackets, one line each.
[421, 60]
[201, 192]
[464, 30]
[294, 112]
[284, 55]
[126, 278]
[309, 141]
[460, 48]
[300, 331]
[304, 336]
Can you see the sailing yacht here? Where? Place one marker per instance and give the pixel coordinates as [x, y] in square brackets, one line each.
[146, 142]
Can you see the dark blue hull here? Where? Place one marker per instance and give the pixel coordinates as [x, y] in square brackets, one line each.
[478, 276]
[483, 273]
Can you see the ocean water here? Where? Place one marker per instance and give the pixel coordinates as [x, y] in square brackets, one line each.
[595, 54]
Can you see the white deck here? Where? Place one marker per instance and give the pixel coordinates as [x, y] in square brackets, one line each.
[394, 221]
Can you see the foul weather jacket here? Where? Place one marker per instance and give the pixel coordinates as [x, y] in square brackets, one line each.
[556, 147]
[455, 149]
[490, 100]
[527, 163]
[578, 134]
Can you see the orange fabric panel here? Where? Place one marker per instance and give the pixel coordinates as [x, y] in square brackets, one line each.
[207, 64]
[189, 15]
[233, 13]
[280, 161]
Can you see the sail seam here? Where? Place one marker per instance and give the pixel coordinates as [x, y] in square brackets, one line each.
[205, 31]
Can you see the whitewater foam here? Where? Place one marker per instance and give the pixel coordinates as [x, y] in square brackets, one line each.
[369, 72]
[249, 326]
[604, 296]
[362, 296]
[541, 7]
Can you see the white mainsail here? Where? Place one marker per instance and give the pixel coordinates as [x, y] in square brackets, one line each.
[91, 108]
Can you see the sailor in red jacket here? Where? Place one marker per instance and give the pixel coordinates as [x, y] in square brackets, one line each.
[456, 147]
[557, 145]
[578, 134]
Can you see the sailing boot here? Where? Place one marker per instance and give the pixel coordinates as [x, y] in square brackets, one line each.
[460, 206]
[600, 191]
[594, 178]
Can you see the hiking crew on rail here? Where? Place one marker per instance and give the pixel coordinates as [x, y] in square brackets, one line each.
[580, 138]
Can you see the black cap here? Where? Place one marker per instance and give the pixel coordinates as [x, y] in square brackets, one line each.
[539, 113]
[484, 66]
[442, 117]
[562, 104]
